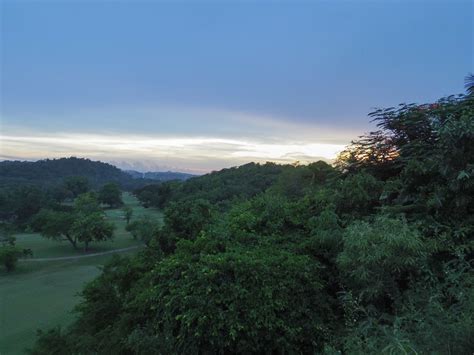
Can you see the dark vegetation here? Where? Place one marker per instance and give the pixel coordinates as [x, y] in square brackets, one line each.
[70, 210]
[52, 172]
[374, 255]
[83, 223]
[222, 188]
[9, 253]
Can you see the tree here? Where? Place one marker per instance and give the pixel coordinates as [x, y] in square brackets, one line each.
[111, 195]
[373, 257]
[87, 203]
[233, 283]
[378, 257]
[9, 255]
[91, 227]
[77, 185]
[85, 223]
[189, 219]
[25, 202]
[128, 213]
[143, 229]
[55, 225]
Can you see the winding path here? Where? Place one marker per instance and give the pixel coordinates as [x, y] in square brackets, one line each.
[74, 257]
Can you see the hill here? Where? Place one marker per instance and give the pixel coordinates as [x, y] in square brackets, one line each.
[224, 187]
[50, 172]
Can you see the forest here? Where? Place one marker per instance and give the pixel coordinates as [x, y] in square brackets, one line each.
[371, 255]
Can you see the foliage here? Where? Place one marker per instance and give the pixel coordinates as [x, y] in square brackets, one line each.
[235, 301]
[91, 227]
[76, 185]
[87, 203]
[111, 195]
[51, 342]
[84, 223]
[9, 253]
[55, 225]
[374, 256]
[221, 188]
[188, 220]
[19, 204]
[143, 228]
[9, 256]
[379, 258]
[52, 173]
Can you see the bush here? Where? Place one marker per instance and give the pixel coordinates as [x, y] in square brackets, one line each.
[9, 256]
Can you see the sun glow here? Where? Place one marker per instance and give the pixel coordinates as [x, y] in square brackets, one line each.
[164, 150]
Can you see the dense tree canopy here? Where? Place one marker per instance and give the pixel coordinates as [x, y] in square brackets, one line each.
[372, 256]
[51, 173]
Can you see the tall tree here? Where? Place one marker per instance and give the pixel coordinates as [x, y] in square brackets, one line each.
[111, 195]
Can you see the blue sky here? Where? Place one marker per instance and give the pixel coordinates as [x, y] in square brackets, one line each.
[204, 85]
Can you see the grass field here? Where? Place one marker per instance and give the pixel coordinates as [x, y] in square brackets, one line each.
[39, 295]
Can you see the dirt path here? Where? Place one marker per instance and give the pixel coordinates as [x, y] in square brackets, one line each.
[84, 256]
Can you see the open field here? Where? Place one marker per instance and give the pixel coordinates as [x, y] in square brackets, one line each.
[45, 248]
[39, 295]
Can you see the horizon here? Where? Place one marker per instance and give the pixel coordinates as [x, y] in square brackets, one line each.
[126, 167]
[198, 86]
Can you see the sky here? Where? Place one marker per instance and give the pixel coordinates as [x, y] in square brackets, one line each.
[196, 86]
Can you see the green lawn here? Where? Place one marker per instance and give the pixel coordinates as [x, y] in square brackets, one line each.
[39, 295]
[45, 248]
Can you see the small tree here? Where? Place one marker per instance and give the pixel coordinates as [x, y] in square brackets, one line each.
[91, 227]
[9, 255]
[143, 229]
[111, 195]
[128, 213]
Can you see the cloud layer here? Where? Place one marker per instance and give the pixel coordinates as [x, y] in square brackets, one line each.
[162, 138]
[142, 152]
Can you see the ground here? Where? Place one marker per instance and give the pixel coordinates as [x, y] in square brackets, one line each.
[42, 294]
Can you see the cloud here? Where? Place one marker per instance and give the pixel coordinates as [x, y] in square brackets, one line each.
[164, 120]
[198, 154]
[172, 138]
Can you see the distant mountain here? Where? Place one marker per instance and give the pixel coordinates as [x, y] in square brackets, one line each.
[53, 171]
[159, 175]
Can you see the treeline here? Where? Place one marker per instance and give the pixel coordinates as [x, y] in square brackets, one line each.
[20, 203]
[26, 187]
[221, 188]
[49, 173]
[76, 215]
[374, 255]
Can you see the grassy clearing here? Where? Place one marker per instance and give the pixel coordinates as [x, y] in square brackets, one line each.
[45, 248]
[39, 295]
